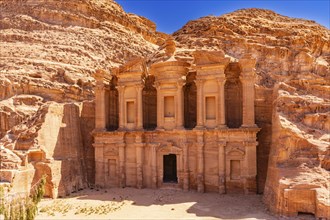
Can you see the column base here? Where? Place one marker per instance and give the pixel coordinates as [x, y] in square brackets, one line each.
[222, 127]
[222, 190]
[100, 130]
[179, 128]
[249, 126]
[121, 129]
[199, 127]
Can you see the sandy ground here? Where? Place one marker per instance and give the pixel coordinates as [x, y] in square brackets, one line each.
[132, 203]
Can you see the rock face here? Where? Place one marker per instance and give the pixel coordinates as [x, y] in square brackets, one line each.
[49, 49]
[298, 174]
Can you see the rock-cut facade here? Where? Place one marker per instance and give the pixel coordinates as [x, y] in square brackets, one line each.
[177, 124]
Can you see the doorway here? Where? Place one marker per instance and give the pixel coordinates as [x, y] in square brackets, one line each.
[169, 166]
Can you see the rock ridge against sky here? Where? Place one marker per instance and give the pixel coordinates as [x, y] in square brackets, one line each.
[50, 49]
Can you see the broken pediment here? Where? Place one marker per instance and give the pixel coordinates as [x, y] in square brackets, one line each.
[209, 57]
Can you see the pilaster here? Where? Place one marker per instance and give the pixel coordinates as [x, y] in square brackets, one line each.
[154, 165]
[200, 161]
[200, 101]
[99, 165]
[121, 91]
[247, 65]
[185, 165]
[221, 108]
[248, 101]
[160, 107]
[122, 159]
[139, 125]
[222, 166]
[139, 161]
[180, 106]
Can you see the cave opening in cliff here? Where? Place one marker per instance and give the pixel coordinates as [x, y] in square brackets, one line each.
[306, 215]
[233, 96]
[112, 103]
[190, 101]
[149, 99]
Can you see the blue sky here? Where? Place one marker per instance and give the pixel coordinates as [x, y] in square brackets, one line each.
[171, 15]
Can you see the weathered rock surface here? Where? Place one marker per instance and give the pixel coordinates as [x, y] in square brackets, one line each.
[298, 174]
[293, 51]
[50, 48]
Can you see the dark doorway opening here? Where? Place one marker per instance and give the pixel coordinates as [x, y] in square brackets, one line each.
[149, 99]
[306, 215]
[190, 101]
[169, 165]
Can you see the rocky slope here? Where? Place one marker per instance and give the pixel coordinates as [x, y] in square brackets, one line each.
[294, 117]
[49, 49]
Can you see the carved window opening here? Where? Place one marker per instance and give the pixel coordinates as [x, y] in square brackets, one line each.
[169, 107]
[210, 108]
[112, 103]
[149, 99]
[190, 102]
[170, 168]
[130, 112]
[233, 96]
[235, 169]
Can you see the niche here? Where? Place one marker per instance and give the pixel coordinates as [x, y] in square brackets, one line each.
[169, 107]
[235, 169]
[130, 110]
[149, 99]
[210, 108]
[233, 96]
[190, 101]
[112, 103]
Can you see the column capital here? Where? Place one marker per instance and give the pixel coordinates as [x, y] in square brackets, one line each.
[222, 143]
[180, 83]
[221, 79]
[99, 86]
[139, 86]
[199, 82]
[157, 85]
[120, 88]
[246, 79]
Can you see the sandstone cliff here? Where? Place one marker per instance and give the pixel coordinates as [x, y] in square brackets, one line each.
[295, 53]
[50, 48]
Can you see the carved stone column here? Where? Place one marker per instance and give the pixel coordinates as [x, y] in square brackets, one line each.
[221, 109]
[200, 162]
[139, 89]
[99, 165]
[185, 166]
[100, 122]
[247, 65]
[250, 172]
[200, 101]
[180, 106]
[139, 163]
[222, 167]
[122, 158]
[160, 108]
[154, 165]
[248, 101]
[121, 91]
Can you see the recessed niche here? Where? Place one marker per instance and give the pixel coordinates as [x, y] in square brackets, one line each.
[210, 108]
[169, 107]
[130, 112]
